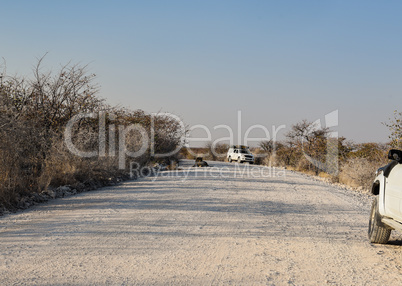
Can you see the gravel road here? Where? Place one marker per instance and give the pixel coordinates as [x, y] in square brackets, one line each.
[230, 224]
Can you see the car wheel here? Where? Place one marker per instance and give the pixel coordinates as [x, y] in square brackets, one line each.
[230, 159]
[377, 233]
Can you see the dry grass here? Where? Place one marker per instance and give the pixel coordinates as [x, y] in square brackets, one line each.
[325, 176]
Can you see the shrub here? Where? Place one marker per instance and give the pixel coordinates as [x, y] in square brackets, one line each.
[216, 152]
[358, 172]
[33, 117]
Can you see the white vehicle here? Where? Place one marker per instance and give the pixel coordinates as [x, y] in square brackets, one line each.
[386, 210]
[240, 153]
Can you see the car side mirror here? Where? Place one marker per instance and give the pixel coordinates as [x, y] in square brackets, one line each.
[395, 155]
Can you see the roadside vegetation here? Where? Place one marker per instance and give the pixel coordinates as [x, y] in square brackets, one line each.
[34, 113]
[312, 150]
[34, 157]
[335, 159]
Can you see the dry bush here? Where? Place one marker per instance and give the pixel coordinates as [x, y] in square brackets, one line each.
[306, 150]
[33, 117]
[259, 155]
[135, 144]
[358, 172]
[64, 168]
[168, 133]
[216, 152]
[186, 153]
[304, 165]
[283, 155]
[308, 140]
[20, 167]
[165, 133]
[359, 168]
[20, 153]
[60, 166]
[192, 153]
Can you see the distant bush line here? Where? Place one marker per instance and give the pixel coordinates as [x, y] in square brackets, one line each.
[306, 149]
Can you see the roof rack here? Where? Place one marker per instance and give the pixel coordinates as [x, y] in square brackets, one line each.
[239, 147]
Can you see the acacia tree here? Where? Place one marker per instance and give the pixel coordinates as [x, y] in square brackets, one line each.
[310, 142]
[267, 146]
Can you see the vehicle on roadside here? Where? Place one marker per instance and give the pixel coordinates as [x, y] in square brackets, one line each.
[240, 153]
[386, 209]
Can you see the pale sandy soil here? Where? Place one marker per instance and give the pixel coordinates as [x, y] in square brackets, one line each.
[210, 228]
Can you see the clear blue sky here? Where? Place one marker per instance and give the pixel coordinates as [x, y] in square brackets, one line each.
[277, 61]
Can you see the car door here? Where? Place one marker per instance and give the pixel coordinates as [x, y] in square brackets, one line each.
[393, 193]
[236, 155]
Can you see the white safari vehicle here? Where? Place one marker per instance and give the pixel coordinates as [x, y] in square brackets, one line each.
[240, 153]
[386, 210]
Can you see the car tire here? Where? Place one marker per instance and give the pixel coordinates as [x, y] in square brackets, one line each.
[377, 233]
[230, 159]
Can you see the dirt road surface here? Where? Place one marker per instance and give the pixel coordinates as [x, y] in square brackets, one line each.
[230, 224]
